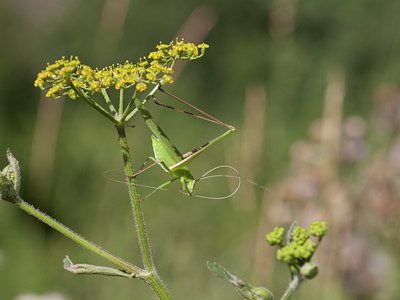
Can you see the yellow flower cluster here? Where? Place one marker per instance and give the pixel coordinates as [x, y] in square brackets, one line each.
[65, 75]
[57, 78]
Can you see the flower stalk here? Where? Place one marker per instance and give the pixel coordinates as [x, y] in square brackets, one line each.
[135, 201]
[68, 77]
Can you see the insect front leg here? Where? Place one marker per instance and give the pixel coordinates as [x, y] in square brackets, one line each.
[158, 188]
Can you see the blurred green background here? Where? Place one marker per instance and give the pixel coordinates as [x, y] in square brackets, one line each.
[313, 89]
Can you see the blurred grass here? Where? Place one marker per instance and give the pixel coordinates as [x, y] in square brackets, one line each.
[286, 47]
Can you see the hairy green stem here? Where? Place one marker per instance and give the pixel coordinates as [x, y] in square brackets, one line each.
[292, 287]
[131, 269]
[152, 278]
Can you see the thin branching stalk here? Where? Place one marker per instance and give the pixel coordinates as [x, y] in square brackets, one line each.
[108, 101]
[121, 102]
[149, 95]
[131, 103]
[93, 103]
[128, 108]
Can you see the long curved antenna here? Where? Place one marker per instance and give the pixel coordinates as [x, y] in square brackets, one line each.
[260, 186]
[238, 176]
[204, 176]
[124, 182]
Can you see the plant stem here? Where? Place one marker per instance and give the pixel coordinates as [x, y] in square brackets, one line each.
[121, 102]
[152, 277]
[134, 111]
[92, 103]
[149, 95]
[128, 108]
[292, 287]
[108, 101]
[131, 269]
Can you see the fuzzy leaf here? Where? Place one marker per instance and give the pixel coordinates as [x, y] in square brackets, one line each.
[92, 269]
[289, 234]
[244, 289]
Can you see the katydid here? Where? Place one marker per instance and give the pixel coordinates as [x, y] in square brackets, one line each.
[167, 155]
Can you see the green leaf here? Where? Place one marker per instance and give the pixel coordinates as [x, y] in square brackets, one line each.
[10, 180]
[93, 270]
[244, 289]
[13, 172]
[289, 234]
[7, 192]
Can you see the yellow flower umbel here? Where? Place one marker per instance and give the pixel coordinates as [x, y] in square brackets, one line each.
[66, 76]
[59, 77]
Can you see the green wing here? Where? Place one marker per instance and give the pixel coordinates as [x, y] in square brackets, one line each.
[165, 152]
[164, 155]
[163, 143]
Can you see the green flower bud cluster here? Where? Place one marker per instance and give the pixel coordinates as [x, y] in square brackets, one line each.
[299, 248]
[275, 237]
[66, 75]
[300, 235]
[295, 253]
[318, 229]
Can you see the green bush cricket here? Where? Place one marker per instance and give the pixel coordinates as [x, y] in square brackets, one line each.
[167, 155]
